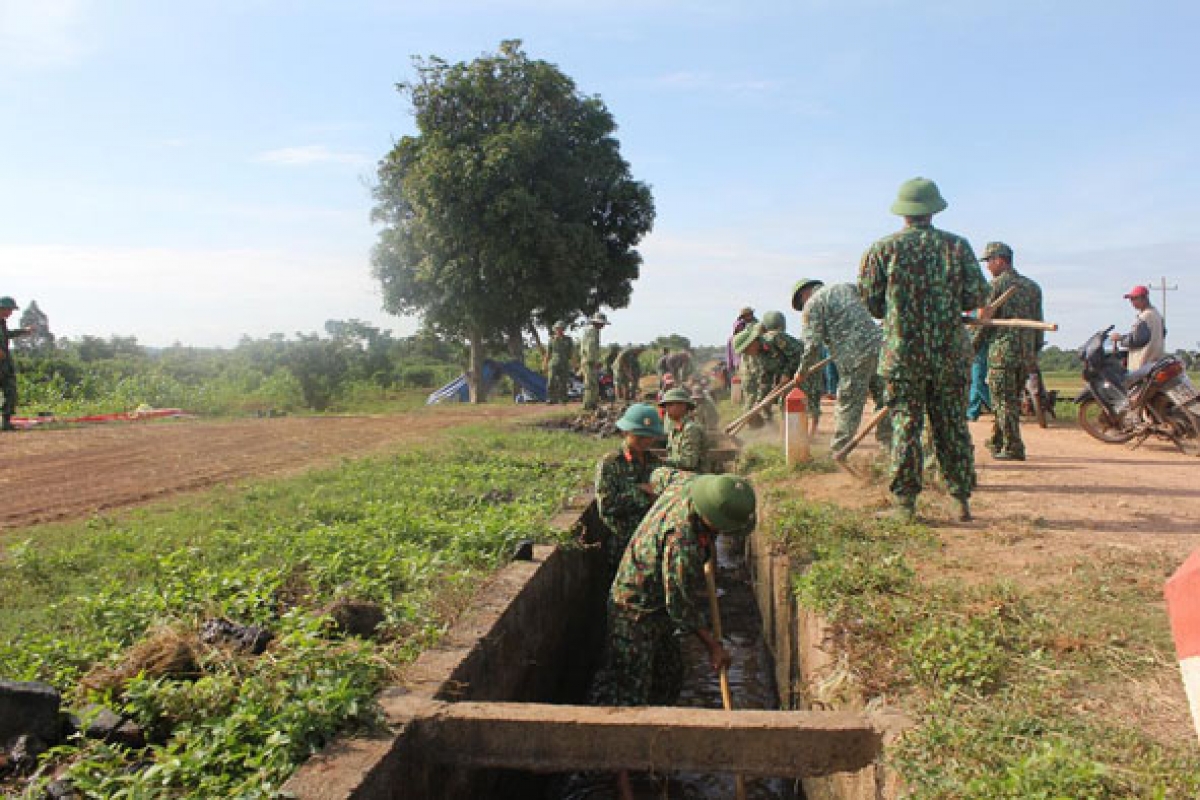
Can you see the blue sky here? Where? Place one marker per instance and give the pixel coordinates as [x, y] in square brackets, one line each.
[195, 172]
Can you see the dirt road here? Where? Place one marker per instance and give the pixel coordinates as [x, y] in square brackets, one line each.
[48, 474]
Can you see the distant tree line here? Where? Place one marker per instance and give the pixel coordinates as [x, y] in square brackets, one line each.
[353, 361]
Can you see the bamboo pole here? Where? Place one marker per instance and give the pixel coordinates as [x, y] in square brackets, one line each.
[741, 421]
[710, 578]
[872, 423]
[1032, 324]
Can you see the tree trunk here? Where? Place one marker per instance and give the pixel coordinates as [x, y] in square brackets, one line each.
[475, 382]
[516, 344]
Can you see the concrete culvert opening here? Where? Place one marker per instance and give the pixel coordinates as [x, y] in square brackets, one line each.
[497, 710]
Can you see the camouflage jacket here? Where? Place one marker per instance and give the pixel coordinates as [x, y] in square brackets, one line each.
[1013, 347]
[662, 571]
[686, 445]
[835, 318]
[589, 345]
[628, 362]
[561, 348]
[6, 335]
[919, 281]
[620, 501]
[781, 355]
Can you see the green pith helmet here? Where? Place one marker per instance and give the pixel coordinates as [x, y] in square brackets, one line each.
[774, 321]
[641, 419]
[746, 337]
[677, 396]
[801, 285]
[918, 197]
[8, 302]
[726, 502]
[997, 249]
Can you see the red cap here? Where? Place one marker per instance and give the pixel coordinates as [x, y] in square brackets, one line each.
[1138, 291]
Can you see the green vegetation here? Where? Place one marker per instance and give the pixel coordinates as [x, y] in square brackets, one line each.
[355, 367]
[93, 607]
[1003, 680]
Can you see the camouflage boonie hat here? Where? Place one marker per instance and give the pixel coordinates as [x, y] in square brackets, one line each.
[800, 286]
[997, 249]
[746, 337]
[677, 396]
[726, 502]
[774, 321]
[641, 419]
[560, 326]
[918, 197]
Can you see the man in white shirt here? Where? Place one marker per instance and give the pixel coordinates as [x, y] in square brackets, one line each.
[1146, 341]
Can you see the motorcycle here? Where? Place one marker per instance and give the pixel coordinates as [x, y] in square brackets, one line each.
[1118, 406]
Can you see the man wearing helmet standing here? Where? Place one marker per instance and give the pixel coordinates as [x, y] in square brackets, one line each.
[590, 359]
[558, 364]
[919, 281]
[1012, 352]
[8, 372]
[834, 318]
[1146, 342]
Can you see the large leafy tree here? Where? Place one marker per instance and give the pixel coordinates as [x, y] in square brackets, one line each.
[511, 207]
[40, 339]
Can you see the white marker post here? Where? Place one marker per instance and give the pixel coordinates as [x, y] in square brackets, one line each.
[1183, 607]
[735, 390]
[795, 427]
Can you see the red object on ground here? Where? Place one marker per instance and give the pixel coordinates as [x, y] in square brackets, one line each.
[1182, 591]
[120, 416]
[796, 402]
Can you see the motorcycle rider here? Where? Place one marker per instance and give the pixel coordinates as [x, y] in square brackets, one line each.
[1146, 341]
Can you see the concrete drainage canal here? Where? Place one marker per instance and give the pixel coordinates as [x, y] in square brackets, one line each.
[496, 710]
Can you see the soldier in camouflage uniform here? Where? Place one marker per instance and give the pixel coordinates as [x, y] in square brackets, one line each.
[919, 281]
[1012, 352]
[558, 364]
[590, 360]
[748, 344]
[623, 492]
[629, 373]
[782, 354]
[834, 318]
[656, 597]
[687, 444]
[8, 373]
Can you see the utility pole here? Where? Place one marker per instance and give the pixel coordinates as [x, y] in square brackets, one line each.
[1164, 289]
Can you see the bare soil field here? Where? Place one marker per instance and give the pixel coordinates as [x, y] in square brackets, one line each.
[56, 474]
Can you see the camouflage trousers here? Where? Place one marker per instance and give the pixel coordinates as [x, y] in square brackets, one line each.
[855, 383]
[1006, 384]
[943, 399]
[8, 386]
[643, 662]
[556, 383]
[591, 385]
[627, 387]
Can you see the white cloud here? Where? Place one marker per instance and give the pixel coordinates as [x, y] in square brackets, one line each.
[306, 155]
[42, 33]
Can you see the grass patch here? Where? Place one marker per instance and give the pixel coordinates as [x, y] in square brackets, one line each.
[1009, 684]
[414, 532]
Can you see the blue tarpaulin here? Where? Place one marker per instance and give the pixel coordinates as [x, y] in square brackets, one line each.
[530, 384]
